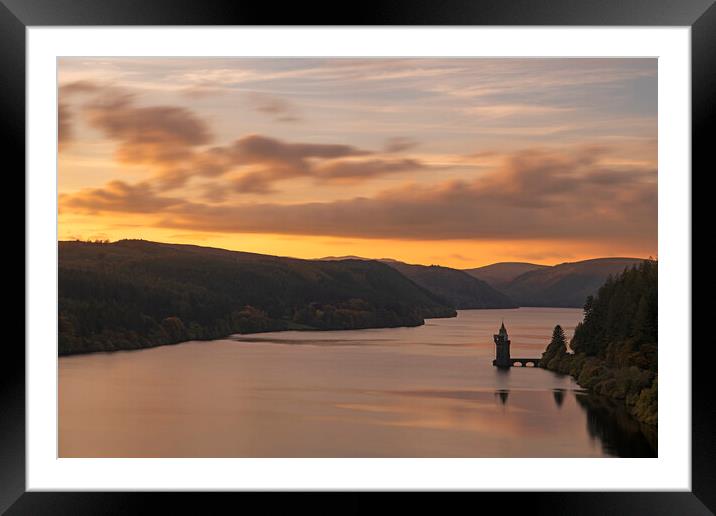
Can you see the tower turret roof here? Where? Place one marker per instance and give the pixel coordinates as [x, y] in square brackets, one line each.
[503, 330]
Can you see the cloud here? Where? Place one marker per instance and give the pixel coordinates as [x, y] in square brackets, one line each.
[258, 148]
[78, 87]
[118, 197]
[399, 144]
[268, 160]
[543, 178]
[200, 92]
[358, 170]
[515, 110]
[535, 194]
[260, 182]
[156, 134]
[329, 171]
[162, 136]
[64, 125]
[275, 160]
[173, 141]
[65, 115]
[279, 109]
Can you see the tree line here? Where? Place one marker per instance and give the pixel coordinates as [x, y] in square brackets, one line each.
[137, 294]
[614, 349]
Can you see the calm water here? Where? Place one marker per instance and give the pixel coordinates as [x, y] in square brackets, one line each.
[429, 391]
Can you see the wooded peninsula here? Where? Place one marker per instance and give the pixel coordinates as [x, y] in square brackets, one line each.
[614, 349]
[134, 294]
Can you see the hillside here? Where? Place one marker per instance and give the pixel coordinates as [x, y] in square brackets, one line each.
[566, 284]
[456, 287]
[615, 347]
[499, 274]
[351, 257]
[134, 294]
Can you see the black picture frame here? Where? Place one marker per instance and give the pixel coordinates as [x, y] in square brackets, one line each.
[17, 15]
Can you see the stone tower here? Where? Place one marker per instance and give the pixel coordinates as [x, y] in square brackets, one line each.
[502, 348]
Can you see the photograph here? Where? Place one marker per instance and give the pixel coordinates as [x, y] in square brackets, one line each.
[357, 257]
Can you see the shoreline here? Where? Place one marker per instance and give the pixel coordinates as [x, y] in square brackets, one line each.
[279, 330]
[580, 367]
[226, 336]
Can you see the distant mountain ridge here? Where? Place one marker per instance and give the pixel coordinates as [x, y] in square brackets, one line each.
[456, 287]
[353, 257]
[513, 284]
[566, 284]
[499, 274]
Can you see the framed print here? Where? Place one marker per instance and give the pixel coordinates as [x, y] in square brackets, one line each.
[417, 249]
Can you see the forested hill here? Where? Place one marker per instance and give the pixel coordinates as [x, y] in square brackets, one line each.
[615, 346]
[134, 294]
[566, 284]
[457, 287]
[500, 274]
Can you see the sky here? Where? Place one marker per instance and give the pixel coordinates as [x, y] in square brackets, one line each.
[457, 162]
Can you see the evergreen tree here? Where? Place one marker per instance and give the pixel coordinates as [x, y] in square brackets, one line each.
[557, 347]
[621, 318]
[558, 339]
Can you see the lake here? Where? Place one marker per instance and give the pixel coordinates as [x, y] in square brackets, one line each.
[429, 391]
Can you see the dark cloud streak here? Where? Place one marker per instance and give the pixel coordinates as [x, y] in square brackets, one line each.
[118, 197]
[399, 144]
[535, 194]
[279, 109]
[64, 125]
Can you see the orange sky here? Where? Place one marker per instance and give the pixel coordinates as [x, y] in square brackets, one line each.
[459, 162]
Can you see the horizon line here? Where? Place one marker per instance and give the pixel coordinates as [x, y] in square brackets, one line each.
[350, 256]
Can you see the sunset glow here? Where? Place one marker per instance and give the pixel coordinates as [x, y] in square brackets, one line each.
[458, 162]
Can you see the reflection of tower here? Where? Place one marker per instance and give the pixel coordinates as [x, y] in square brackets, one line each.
[558, 396]
[502, 348]
[502, 394]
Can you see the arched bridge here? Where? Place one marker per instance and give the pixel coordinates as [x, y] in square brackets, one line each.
[518, 362]
[525, 362]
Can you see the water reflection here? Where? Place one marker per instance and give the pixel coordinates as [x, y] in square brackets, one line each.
[558, 395]
[619, 434]
[502, 395]
[429, 391]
